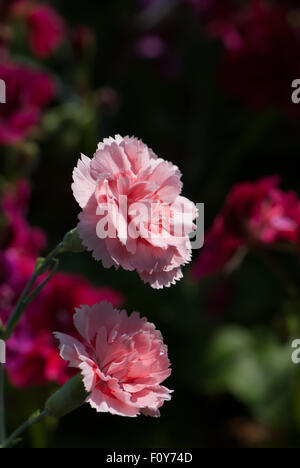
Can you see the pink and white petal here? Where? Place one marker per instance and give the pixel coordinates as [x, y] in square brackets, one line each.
[81, 321]
[131, 324]
[83, 183]
[184, 214]
[109, 141]
[101, 346]
[138, 153]
[112, 160]
[70, 349]
[141, 190]
[153, 412]
[141, 383]
[169, 191]
[161, 279]
[102, 315]
[106, 404]
[167, 177]
[119, 254]
[151, 397]
[87, 230]
[89, 376]
[149, 258]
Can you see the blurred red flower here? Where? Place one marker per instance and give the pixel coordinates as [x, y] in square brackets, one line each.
[262, 49]
[47, 29]
[16, 233]
[255, 213]
[262, 55]
[28, 91]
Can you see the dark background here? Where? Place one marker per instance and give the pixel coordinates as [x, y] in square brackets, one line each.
[233, 380]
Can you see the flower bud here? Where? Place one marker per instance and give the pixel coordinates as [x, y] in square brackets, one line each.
[68, 398]
[72, 242]
[83, 40]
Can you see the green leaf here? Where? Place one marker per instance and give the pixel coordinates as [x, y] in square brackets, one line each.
[253, 367]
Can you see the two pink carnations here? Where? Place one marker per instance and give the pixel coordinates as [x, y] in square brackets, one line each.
[122, 359]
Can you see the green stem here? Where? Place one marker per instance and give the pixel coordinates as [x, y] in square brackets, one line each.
[41, 286]
[70, 243]
[34, 419]
[26, 298]
[2, 413]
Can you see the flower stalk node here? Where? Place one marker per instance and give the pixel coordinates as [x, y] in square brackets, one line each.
[68, 398]
[72, 242]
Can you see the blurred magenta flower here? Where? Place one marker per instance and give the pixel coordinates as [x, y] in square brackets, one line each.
[255, 213]
[122, 359]
[151, 47]
[109, 100]
[127, 168]
[15, 232]
[28, 91]
[262, 55]
[16, 269]
[156, 47]
[46, 27]
[20, 244]
[47, 30]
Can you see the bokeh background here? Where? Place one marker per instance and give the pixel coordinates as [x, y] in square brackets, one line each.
[207, 85]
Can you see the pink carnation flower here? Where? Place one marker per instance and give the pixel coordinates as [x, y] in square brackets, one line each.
[123, 360]
[145, 237]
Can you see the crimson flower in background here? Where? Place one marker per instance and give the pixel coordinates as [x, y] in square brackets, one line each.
[262, 49]
[255, 213]
[28, 91]
[262, 55]
[16, 233]
[33, 357]
[20, 244]
[46, 30]
[46, 27]
[151, 47]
